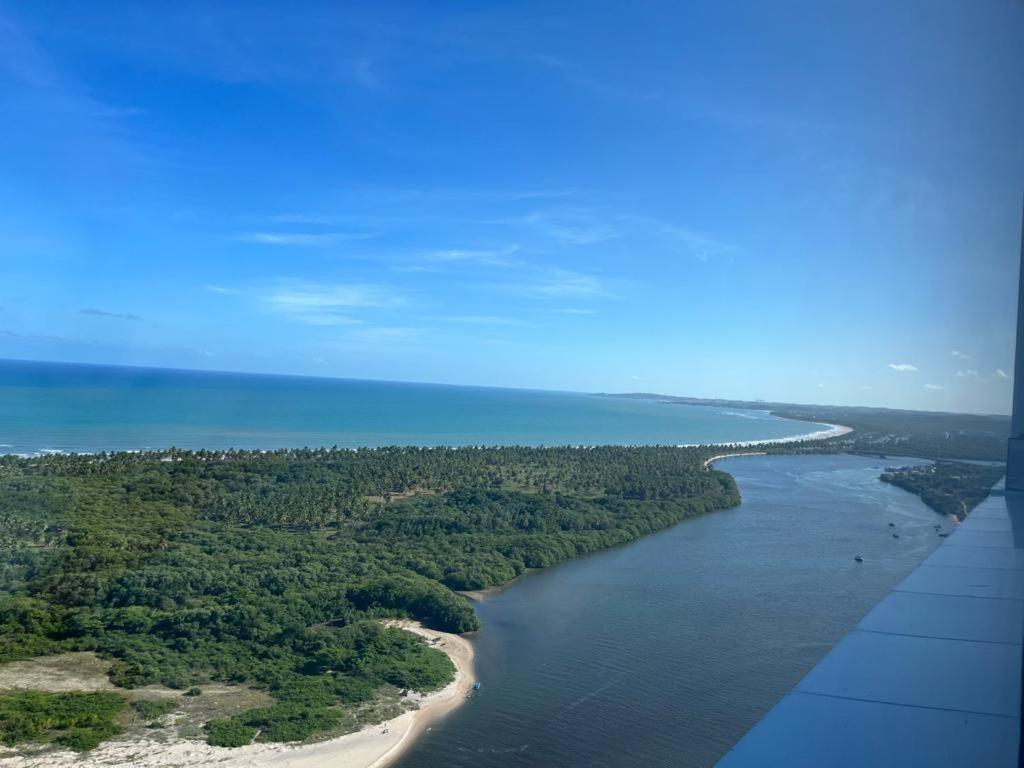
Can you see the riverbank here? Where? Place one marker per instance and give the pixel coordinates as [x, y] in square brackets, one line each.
[375, 746]
[699, 626]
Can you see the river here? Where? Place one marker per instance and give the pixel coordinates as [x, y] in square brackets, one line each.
[664, 651]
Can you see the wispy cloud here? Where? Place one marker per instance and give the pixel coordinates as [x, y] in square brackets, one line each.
[64, 111]
[364, 72]
[700, 245]
[305, 218]
[960, 355]
[414, 268]
[220, 289]
[44, 338]
[378, 335]
[904, 367]
[327, 304]
[105, 313]
[1001, 374]
[572, 226]
[933, 387]
[557, 283]
[581, 226]
[968, 372]
[305, 239]
[498, 257]
[485, 320]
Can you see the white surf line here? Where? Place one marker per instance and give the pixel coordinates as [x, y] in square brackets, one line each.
[834, 430]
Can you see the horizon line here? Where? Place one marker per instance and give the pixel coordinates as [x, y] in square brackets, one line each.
[707, 401]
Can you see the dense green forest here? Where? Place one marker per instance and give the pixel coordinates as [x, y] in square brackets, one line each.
[948, 487]
[274, 569]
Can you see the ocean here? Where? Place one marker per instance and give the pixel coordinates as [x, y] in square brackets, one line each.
[46, 407]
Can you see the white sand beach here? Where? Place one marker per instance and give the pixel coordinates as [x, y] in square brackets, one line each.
[834, 430]
[375, 746]
[831, 430]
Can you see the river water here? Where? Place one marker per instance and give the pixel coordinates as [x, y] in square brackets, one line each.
[663, 652]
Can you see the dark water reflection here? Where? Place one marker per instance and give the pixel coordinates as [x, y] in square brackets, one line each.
[665, 651]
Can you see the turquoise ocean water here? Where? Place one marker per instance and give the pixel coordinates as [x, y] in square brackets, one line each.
[61, 407]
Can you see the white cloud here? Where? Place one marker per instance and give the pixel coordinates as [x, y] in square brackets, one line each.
[220, 289]
[960, 355]
[967, 372]
[903, 367]
[304, 239]
[933, 386]
[326, 304]
[1001, 374]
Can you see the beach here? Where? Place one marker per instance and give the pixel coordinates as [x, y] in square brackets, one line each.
[830, 431]
[375, 746]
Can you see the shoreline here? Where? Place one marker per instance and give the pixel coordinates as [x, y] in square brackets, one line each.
[375, 746]
[834, 430]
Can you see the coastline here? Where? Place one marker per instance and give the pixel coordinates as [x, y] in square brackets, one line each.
[375, 746]
[833, 430]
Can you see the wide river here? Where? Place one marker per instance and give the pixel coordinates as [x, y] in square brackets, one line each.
[663, 652]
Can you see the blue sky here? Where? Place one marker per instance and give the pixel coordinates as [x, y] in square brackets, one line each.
[812, 202]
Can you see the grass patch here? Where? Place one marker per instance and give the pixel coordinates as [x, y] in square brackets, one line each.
[153, 709]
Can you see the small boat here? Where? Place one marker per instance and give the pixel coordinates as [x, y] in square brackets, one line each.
[858, 558]
[476, 686]
[892, 525]
[895, 535]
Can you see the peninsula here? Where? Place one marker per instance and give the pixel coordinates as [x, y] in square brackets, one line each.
[249, 599]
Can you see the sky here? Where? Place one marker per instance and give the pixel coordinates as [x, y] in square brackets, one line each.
[793, 201]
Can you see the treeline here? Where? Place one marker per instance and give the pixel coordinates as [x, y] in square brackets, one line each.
[275, 569]
[950, 488]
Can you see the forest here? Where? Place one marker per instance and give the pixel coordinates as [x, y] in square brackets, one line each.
[275, 569]
[948, 487]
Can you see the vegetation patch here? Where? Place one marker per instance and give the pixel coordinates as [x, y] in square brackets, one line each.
[948, 487]
[273, 571]
[78, 720]
[153, 709]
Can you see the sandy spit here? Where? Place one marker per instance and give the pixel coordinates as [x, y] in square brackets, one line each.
[375, 746]
[832, 430]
